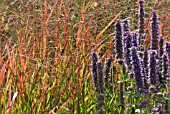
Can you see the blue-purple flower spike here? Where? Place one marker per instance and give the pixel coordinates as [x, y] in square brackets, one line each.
[126, 27]
[100, 76]
[137, 68]
[134, 40]
[143, 69]
[165, 66]
[168, 55]
[155, 31]
[118, 40]
[161, 52]
[141, 23]
[141, 16]
[153, 68]
[121, 91]
[94, 59]
[127, 57]
[108, 70]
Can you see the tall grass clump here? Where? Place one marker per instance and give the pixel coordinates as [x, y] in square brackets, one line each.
[84, 57]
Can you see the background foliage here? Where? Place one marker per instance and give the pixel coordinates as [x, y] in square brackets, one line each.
[45, 49]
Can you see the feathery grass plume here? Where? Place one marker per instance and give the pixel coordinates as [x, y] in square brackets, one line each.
[136, 68]
[141, 23]
[121, 91]
[94, 60]
[155, 31]
[135, 40]
[107, 70]
[153, 69]
[100, 76]
[118, 41]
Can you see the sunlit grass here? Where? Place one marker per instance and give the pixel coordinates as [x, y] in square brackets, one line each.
[45, 49]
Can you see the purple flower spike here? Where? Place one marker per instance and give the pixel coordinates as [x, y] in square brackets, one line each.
[161, 51]
[94, 59]
[121, 91]
[137, 68]
[165, 66]
[155, 31]
[168, 48]
[168, 55]
[126, 30]
[101, 111]
[153, 70]
[141, 16]
[108, 70]
[118, 40]
[100, 84]
[128, 45]
[126, 27]
[135, 40]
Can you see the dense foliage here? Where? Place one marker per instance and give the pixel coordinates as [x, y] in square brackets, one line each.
[84, 56]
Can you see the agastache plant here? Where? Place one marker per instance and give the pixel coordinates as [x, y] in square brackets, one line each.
[153, 69]
[155, 31]
[141, 22]
[161, 51]
[119, 41]
[94, 59]
[136, 68]
[101, 87]
[168, 55]
[126, 30]
[127, 57]
[126, 27]
[134, 40]
[108, 70]
[141, 16]
[100, 77]
[100, 104]
[165, 66]
[143, 70]
[145, 65]
[121, 91]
